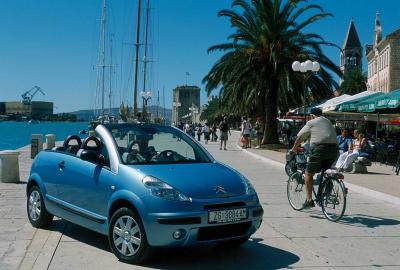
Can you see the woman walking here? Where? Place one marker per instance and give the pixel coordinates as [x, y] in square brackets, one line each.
[206, 131]
[258, 127]
[246, 131]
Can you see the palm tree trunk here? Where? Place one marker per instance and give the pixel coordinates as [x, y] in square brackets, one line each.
[271, 113]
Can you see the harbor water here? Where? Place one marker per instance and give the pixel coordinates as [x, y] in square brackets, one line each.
[14, 135]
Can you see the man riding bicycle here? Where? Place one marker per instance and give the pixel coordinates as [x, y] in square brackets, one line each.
[324, 148]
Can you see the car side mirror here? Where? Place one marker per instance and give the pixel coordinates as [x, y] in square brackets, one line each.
[92, 156]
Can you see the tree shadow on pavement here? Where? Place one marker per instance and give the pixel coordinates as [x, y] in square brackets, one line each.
[360, 220]
[251, 255]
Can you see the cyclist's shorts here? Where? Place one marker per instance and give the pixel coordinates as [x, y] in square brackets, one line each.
[322, 155]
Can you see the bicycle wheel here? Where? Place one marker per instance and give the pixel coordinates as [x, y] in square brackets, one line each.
[296, 190]
[333, 199]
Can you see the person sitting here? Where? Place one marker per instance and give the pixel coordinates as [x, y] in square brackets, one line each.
[346, 158]
[344, 141]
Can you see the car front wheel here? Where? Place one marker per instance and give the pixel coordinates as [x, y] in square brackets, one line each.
[37, 213]
[127, 237]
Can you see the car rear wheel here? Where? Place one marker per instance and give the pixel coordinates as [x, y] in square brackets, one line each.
[37, 213]
[127, 237]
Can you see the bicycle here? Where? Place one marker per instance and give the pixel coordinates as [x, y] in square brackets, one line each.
[330, 196]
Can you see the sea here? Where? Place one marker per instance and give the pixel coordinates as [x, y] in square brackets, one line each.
[14, 135]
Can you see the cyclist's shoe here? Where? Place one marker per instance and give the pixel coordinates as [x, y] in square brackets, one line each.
[308, 204]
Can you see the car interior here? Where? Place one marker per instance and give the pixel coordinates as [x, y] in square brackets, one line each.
[74, 145]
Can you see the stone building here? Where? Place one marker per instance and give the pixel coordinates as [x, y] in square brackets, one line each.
[383, 59]
[351, 53]
[36, 109]
[185, 101]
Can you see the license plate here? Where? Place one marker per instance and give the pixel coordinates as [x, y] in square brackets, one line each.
[223, 216]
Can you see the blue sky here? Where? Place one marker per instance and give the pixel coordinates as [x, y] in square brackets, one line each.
[54, 44]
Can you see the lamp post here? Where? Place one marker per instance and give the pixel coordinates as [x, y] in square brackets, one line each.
[193, 111]
[146, 96]
[176, 106]
[306, 68]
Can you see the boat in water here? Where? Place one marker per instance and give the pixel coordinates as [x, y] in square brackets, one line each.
[33, 121]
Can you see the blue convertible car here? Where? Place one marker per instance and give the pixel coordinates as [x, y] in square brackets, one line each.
[143, 186]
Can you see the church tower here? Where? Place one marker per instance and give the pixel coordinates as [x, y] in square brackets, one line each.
[377, 30]
[351, 53]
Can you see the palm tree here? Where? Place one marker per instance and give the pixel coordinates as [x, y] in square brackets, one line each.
[353, 82]
[256, 65]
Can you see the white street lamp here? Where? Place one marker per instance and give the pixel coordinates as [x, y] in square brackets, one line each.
[146, 96]
[176, 106]
[306, 67]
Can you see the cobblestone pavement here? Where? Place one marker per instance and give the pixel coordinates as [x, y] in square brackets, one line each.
[16, 232]
[366, 238]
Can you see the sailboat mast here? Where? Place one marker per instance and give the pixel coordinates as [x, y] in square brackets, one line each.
[145, 52]
[111, 70]
[158, 102]
[163, 94]
[137, 45]
[103, 53]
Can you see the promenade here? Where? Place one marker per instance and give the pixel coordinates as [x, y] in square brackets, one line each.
[366, 238]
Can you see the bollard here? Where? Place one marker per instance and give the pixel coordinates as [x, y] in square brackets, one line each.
[9, 166]
[36, 144]
[50, 141]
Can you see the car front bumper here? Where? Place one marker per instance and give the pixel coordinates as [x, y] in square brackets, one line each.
[194, 227]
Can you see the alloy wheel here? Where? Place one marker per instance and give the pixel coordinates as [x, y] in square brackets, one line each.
[127, 236]
[34, 205]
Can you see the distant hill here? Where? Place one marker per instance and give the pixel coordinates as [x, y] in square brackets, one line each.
[87, 115]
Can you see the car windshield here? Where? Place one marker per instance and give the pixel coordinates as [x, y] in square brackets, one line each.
[155, 144]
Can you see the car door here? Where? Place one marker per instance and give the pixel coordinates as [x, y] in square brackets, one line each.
[87, 187]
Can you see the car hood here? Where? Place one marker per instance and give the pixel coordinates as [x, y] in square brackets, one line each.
[198, 180]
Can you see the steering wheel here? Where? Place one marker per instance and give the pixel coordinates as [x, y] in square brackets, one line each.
[72, 148]
[167, 155]
[131, 144]
[95, 140]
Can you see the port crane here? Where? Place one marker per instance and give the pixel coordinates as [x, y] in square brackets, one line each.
[28, 95]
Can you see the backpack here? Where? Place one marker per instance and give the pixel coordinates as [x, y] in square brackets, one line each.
[223, 127]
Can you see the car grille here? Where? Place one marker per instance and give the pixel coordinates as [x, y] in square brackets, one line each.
[223, 231]
[224, 205]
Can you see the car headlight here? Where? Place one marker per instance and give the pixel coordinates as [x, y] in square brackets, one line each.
[163, 190]
[249, 187]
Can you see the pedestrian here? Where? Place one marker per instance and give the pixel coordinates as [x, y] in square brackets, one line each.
[224, 130]
[186, 128]
[214, 132]
[206, 132]
[199, 131]
[346, 158]
[246, 132]
[259, 128]
[344, 141]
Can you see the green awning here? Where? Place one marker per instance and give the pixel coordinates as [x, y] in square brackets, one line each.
[369, 103]
[351, 106]
[389, 101]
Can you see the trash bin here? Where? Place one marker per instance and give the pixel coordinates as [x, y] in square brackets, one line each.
[36, 144]
[9, 166]
[50, 141]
